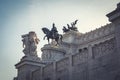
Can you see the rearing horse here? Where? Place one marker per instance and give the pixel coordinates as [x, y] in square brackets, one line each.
[50, 35]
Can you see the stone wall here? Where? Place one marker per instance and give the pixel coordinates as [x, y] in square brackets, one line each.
[79, 40]
[91, 56]
[62, 70]
[102, 65]
[37, 74]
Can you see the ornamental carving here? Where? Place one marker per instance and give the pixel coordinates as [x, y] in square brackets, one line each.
[104, 48]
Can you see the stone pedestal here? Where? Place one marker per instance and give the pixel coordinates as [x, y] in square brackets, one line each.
[52, 53]
[26, 66]
[70, 37]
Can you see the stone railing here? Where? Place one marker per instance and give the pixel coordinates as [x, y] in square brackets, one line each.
[95, 34]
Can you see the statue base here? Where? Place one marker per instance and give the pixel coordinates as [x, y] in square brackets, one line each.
[26, 66]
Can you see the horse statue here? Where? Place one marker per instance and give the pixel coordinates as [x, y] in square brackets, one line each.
[52, 34]
[72, 27]
[65, 29]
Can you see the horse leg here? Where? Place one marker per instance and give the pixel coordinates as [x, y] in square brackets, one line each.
[44, 37]
[48, 40]
[56, 39]
[61, 37]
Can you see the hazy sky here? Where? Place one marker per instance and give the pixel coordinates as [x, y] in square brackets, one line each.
[18, 17]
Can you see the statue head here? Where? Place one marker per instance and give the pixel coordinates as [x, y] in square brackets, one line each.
[33, 36]
[53, 24]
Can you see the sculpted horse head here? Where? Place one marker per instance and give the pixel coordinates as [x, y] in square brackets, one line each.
[46, 30]
[65, 29]
[48, 33]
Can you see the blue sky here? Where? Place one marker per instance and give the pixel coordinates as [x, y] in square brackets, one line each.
[18, 17]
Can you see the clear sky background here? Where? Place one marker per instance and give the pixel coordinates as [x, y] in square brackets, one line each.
[18, 17]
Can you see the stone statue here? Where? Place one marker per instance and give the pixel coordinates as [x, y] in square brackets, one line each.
[65, 29]
[72, 27]
[30, 42]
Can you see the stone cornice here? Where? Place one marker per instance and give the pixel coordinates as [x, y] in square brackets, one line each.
[55, 48]
[75, 33]
[29, 61]
[114, 15]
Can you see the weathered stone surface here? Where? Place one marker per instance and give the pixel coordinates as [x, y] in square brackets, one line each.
[30, 42]
[91, 56]
[52, 53]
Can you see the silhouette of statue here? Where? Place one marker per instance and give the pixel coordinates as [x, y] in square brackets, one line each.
[72, 27]
[65, 29]
[54, 30]
[53, 34]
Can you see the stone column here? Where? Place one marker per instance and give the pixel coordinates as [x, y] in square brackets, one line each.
[54, 74]
[90, 53]
[70, 68]
[114, 17]
[90, 60]
[41, 73]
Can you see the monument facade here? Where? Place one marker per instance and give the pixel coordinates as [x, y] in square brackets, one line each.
[94, 55]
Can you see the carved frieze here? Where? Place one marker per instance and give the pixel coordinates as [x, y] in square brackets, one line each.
[104, 48]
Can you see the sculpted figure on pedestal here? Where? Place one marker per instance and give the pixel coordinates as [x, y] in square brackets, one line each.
[30, 42]
[72, 27]
[65, 29]
[52, 34]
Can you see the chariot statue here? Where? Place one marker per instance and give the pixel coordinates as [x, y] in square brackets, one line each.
[30, 42]
[69, 28]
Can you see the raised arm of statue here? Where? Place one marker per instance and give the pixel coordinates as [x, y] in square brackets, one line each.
[25, 40]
